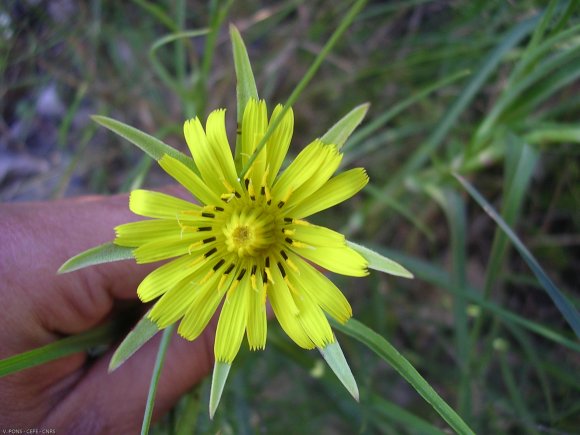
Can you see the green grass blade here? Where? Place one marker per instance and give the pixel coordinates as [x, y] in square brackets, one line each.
[454, 208]
[141, 334]
[515, 392]
[218, 13]
[58, 349]
[380, 262]
[177, 84]
[390, 355]
[188, 418]
[564, 306]
[438, 277]
[344, 24]
[519, 167]
[484, 71]
[105, 253]
[532, 355]
[341, 131]
[401, 209]
[163, 345]
[394, 412]
[158, 13]
[381, 120]
[335, 359]
[554, 133]
[151, 145]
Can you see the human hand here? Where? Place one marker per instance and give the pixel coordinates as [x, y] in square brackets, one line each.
[76, 394]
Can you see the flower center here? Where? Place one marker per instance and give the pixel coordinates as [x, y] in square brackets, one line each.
[249, 232]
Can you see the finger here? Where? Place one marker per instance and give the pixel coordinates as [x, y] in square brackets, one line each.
[37, 238]
[115, 402]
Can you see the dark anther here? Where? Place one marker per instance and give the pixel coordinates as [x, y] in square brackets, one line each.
[282, 271]
[210, 252]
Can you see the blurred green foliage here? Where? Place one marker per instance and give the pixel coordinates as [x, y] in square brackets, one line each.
[484, 89]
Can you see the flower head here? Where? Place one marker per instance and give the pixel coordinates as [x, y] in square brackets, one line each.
[249, 240]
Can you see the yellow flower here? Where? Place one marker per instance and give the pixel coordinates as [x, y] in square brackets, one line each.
[248, 241]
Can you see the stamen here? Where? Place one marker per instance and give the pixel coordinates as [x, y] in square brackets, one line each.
[253, 277]
[227, 197]
[250, 187]
[207, 276]
[193, 245]
[209, 240]
[218, 265]
[288, 220]
[291, 287]
[297, 244]
[227, 185]
[285, 198]
[293, 266]
[222, 280]
[264, 281]
[265, 176]
[198, 260]
[225, 276]
[267, 270]
[210, 252]
[282, 271]
[232, 288]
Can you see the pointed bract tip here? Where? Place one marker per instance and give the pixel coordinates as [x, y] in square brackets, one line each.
[218, 382]
[332, 353]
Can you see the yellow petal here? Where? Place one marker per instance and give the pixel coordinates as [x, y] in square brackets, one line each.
[220, 146]
[138, 233]
[164, 278]
[309, 170]
[203, 306]
[279, 141]
[254, 124]
[344, 260]
[208, 166]
[313, 320]
[257, 323]
[232, 323]
[322, 291]
[286, 311]
[158, 205]
[334, 191]
[173, 304]
[314, 235]
[173, 246]
[188, 179]
[329, 159]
